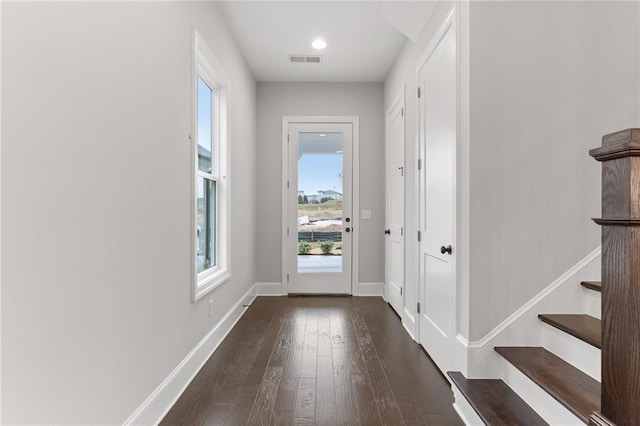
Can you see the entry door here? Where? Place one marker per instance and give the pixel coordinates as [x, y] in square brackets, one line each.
[437, 139]
[320, 199]
[395, 207]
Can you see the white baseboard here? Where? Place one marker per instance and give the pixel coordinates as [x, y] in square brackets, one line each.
[269, 289]
[523, 328]
[409, 323]
[460, 354]
[275, 289]
[371, 289]
[158, 404]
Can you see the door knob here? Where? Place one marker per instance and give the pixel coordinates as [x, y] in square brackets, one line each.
[446, 249]
[348, 219]
[387, 231]
[347, 229]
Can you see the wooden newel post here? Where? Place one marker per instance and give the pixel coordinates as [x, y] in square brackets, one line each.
[620, 221]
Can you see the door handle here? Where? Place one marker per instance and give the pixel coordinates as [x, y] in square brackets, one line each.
[348, 220]
[347, 229]
[446, 249]
[387, 231]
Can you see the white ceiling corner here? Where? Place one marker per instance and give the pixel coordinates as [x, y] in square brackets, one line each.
[408, 17]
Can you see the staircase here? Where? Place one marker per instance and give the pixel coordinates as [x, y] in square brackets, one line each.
[587, 370]
[539, 387]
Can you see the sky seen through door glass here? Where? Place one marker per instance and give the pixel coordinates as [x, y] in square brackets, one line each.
[320, 172]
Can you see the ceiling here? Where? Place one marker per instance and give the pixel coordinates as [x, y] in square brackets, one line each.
[363, 38]
[319, 143]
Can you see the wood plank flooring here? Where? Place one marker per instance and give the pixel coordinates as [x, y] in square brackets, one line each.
[317, 361]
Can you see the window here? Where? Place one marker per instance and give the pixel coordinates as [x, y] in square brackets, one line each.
[211, 187]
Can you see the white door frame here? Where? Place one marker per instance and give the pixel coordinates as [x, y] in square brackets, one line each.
[448, 23]
[399, 99]
[355, 215]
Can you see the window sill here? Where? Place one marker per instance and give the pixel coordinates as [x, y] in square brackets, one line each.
[210, 282]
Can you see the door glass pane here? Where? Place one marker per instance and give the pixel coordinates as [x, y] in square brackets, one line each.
[320, 202]
[206, 231]
[205, 126]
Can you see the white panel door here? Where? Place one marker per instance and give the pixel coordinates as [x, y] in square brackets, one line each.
[395, 207]
[437, 140]
[319, 208]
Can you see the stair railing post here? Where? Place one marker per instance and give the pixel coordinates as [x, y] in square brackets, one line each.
[620, 221]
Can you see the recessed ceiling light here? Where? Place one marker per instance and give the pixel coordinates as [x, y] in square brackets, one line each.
[339, 151]
[322, 135]
[319, 44]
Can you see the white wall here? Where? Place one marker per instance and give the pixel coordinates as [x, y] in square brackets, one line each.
[548, 79]
[96, 110]
[276, 100]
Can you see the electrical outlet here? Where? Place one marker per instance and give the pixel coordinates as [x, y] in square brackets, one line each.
[210, 308]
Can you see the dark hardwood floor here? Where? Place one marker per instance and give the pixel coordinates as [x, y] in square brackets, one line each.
[317, 360]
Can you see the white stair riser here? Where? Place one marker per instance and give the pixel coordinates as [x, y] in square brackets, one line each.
[580, 354]
[594, 303]
[465, 410]
[544, 404]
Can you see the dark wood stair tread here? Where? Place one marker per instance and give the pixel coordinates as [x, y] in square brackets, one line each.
[584, 327]
[574, 389]
[592, 285]
[495, 402]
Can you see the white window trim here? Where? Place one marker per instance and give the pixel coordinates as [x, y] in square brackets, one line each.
[207, 67]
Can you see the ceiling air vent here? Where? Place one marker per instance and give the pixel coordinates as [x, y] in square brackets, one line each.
[304, 58]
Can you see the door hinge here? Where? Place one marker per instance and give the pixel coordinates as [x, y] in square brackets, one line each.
[287, 230]
[419, 236]
[418, 91]
[401, 112]
[400, 291]
[287, 277]
[287, 184]
[287, 137]
[419, 163]
[418, 307]
[402, 232]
